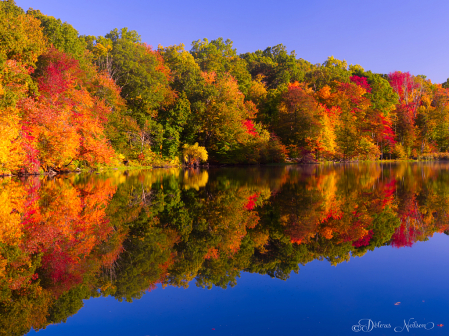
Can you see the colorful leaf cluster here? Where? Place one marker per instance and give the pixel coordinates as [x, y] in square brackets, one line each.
[73, 101]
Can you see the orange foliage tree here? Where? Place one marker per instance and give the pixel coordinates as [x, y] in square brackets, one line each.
[66, 121]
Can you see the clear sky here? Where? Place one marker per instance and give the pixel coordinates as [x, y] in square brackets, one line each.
[380, 35]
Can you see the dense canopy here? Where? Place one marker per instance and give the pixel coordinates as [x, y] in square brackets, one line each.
[69, 101]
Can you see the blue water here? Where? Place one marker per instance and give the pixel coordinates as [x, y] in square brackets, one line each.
[320, 300]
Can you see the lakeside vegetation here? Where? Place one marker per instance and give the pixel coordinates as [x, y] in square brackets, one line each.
[69, 101]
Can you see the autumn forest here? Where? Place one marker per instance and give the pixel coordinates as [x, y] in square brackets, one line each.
[69, 101]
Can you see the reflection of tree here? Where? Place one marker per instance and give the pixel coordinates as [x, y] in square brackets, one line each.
[61, 227]
[195, 178]
[65, 240]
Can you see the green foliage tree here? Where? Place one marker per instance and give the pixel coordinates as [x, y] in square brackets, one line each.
[276, 66]
[61, 35]
[218, 56]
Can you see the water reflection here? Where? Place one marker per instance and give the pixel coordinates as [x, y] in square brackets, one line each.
[76, 237]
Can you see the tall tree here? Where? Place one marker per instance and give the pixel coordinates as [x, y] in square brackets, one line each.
[218, 56]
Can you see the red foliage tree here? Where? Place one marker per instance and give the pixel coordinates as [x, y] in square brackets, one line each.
[250, 129]
[362, 82]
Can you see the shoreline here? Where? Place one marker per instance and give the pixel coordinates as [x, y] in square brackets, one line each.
[127, 168]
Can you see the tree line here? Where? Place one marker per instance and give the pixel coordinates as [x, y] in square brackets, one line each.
[69, 101]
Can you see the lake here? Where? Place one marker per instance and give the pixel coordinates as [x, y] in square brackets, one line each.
[281, 250]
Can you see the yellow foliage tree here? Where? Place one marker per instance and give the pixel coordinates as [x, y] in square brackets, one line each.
[193, 154]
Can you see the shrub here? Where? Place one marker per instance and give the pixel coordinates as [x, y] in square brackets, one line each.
[192, 154]
[399, 152]
[368, 150]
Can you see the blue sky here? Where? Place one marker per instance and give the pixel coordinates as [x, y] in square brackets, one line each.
[380, 35]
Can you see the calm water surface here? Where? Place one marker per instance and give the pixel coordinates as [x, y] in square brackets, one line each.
[232, 251]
